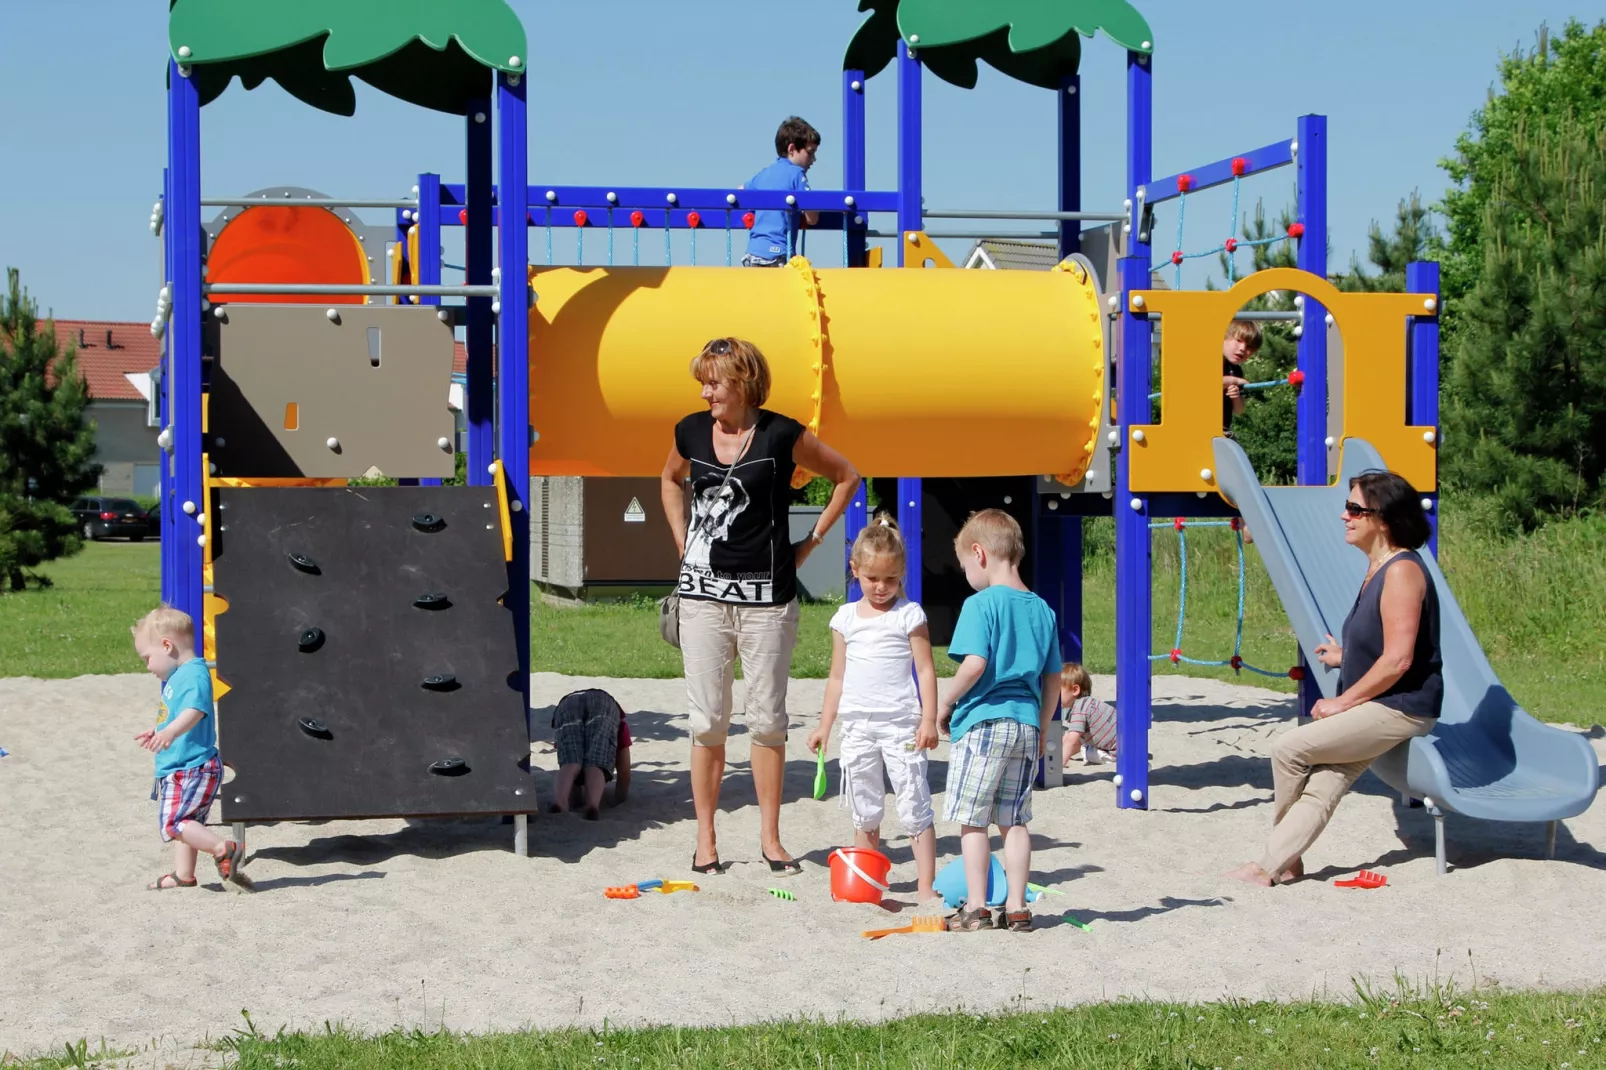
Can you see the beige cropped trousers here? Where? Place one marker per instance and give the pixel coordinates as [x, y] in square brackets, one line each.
[712, 636]
[1312, 766]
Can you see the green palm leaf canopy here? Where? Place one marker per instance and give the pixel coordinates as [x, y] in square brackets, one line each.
[433, 53]
[1033, 41]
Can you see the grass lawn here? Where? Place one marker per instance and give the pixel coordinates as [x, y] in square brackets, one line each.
[1399, 1029]
[1537, 604]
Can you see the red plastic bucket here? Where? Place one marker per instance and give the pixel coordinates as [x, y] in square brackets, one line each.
[858, 875]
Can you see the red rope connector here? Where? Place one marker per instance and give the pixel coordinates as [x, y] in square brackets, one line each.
[1231, 245]
[580, 217]
[1237, 523]
[1177, 523]
[1184, 183]
[747, 220]
[1176, 655]
[1177, 257]
[462, 217]
[1296, 230]
[1239, 165]
[637, 219]
[1297, 672]
[694, 219]
[1237, 663]
[1296, 378]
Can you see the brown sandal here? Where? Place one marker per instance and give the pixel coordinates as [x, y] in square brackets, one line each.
[1016, 921]
[159, 886]
[969, 921]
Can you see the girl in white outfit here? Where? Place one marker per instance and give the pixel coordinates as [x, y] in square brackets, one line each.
[878, 645]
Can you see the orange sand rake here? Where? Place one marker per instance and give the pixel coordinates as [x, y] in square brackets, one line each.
[1366, 878]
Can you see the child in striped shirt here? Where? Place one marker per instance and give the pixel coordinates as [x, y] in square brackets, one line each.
[1087, 720]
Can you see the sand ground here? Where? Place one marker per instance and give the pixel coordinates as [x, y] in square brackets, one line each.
[423, 923]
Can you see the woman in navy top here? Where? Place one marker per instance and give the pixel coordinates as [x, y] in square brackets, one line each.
[1391, 680]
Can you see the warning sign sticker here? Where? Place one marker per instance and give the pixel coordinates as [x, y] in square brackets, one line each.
[634, 513]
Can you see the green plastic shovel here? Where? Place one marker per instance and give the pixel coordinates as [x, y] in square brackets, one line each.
[820, 784]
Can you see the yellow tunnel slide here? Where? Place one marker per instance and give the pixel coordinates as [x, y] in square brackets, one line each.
[909, 373]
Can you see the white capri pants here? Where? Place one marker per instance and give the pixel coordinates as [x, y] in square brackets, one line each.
[870, 745]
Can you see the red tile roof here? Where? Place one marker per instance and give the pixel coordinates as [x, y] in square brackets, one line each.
[104, 366]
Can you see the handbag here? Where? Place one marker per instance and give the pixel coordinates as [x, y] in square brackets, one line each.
[669, 605]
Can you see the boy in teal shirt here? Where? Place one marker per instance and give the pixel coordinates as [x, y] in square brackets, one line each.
[184, 741]
[996, 712]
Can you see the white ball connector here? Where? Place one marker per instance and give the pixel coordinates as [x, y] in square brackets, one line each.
[856, 85]
[444, 443]
[1427, 505]
[444, 316]
[1137, 505]
[1299, 300]
[730, 198]
[1008, 500]
[1118, 780]
[334, 315]
[1330, 320]
[1328, 442]
[200, 540]
[1114, 438]
[189, 508]
[1206, 474]
[848, 200]
[613, 198]
[220, 442]
[1136, 795]
[1429, 437]
[790, 199]
[1114, 302]
[673, 199]
[1053, 505]
[1138, 435]
[184, 52]
[1137, 300]
[333, 443]
[1431, 304]
[1091, 476]
[551, 196]
[516, 507]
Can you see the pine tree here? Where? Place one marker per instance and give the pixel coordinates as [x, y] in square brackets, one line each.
[47, 445]
[1561, 77]
[1527, 415]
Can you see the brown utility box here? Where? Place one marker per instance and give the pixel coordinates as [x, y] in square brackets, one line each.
[590, 534]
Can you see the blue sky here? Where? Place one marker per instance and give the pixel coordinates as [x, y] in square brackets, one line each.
[630, 92]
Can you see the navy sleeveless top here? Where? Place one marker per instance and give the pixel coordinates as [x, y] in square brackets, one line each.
[1420, 691]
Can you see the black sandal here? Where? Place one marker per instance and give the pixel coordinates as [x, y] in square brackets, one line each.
[707, 867]
[789, 868]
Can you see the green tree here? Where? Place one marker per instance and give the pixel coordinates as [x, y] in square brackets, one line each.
[1526, 420]
[46, 444]
[1539, 89]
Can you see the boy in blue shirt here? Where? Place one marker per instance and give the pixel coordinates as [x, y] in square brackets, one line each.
[996, 711]
[773, 238]
[184, 741]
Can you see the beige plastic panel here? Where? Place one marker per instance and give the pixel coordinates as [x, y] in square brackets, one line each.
[297, 393]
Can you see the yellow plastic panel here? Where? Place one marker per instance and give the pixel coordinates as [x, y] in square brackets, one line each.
[939, 373]
[917, 249]
[1176, 454]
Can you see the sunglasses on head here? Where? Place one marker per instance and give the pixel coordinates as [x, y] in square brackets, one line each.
[1357, 509]
[718, 347]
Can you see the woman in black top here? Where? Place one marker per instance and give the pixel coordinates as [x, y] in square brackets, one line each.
[1391, 679]
[738, 574]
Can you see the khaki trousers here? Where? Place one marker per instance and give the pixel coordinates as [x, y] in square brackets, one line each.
[1313, 766]
[712, 636]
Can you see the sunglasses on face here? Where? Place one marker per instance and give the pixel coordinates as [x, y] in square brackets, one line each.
[1357, 509]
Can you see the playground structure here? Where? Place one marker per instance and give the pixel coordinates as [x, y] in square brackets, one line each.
[588, 375]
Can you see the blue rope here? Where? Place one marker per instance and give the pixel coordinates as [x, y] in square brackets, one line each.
[693, 232]
[1238, 639]
[1236, 662]
[1182, 215]
[1182, 590]
[727, 237]
[635, 245]
[549, 237]
[580, 246]
[610, 237]
[1263, 385]
[669, 252]
[1232, 231]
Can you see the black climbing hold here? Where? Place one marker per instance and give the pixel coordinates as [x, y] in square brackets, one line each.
[304, 563]
[432, 601]
[310, 640]
[428, 522]
[449, 767]
[444, 681]
[315, 729]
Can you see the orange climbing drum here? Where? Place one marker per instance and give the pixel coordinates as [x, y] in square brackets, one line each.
[912, 373]
[287, 243]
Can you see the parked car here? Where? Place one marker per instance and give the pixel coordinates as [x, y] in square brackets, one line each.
[109, 518]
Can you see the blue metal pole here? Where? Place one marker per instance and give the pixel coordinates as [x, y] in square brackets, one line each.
[513, 352]
[1312, 257]
[480, 400]
[910, 218]
[184, 341]
[1422, 277]
[1134, 597]
[853, 177]
[166, 506]
[1063, 537]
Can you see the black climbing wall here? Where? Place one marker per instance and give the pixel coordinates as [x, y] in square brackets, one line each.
[372, 668]
[945, 506]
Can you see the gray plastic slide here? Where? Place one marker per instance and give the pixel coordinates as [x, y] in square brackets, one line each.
[1488, 758]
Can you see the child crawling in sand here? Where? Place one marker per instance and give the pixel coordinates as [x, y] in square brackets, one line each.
[184, 741]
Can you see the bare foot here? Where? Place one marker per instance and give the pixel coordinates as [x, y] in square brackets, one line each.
[591, 813]
[928, 896]
[1293, 873]
[1251, 873]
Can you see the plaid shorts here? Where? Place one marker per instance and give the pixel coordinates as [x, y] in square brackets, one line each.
[990, 774]
[186, 795]
[586, 728]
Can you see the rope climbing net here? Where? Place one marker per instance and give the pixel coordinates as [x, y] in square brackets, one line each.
[1232, 243]
[1175, 654]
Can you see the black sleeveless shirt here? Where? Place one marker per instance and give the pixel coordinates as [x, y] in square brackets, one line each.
[738, 544]
[1419, 692]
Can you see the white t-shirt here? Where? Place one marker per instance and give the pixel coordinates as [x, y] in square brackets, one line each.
[878, 680]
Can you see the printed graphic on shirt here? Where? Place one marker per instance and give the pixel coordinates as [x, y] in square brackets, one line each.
[718, 537]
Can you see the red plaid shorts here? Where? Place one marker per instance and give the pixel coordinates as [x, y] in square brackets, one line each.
[186, 795]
